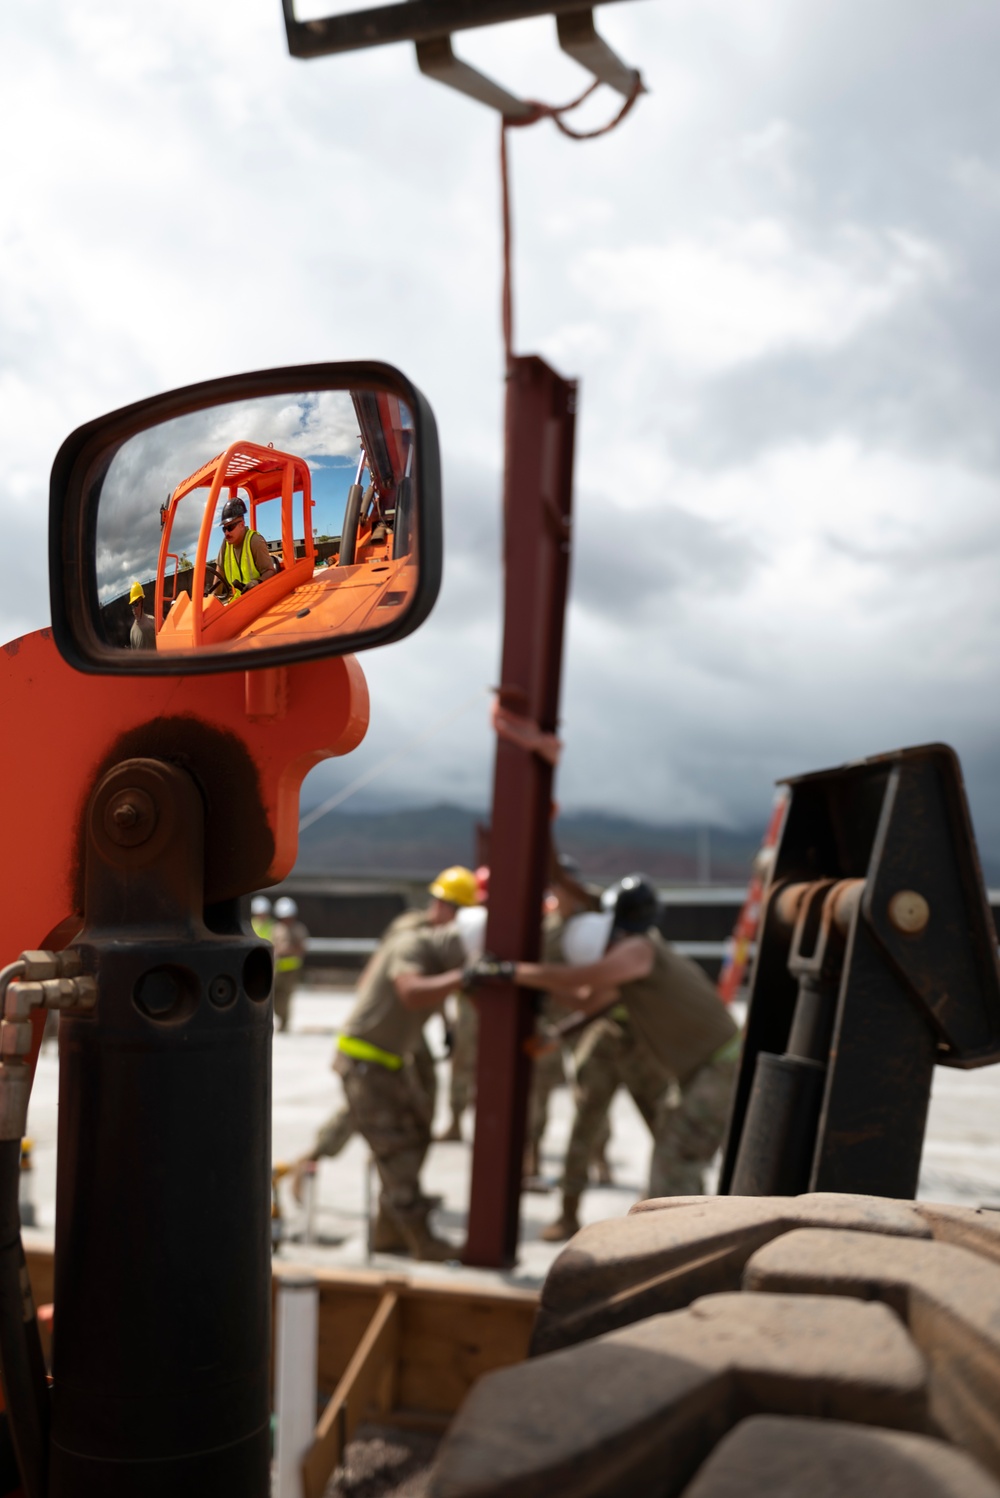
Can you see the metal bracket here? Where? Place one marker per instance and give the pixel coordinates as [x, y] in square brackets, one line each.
[578, 37]
[842, 1040]
[430, 24]
[436, 59]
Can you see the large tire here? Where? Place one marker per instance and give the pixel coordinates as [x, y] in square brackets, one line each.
[848, 1345]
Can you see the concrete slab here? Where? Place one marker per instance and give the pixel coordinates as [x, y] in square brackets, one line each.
[961, 1157]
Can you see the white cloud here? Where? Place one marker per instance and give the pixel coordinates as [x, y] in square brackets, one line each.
[776, 283]
[745, 290]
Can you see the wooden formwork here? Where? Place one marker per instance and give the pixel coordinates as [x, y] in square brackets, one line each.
[406, 1351]
[400, 1350]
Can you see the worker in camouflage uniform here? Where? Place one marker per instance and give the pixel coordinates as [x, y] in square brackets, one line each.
[462, 1025]
[567, 897]
[608, 1055]
[674, 1008]
[453, 889]
[288, 937]
[410, 977]
[261, 918]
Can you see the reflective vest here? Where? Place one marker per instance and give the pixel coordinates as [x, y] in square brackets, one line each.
[363, 1050]
[242, 568]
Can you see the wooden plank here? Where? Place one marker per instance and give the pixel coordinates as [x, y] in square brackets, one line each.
[40, 1260]
[344, 1317]
[449, 1342]
[365, 1374]
[450, 1333]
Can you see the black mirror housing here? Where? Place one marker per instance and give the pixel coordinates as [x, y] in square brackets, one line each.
[110, 533]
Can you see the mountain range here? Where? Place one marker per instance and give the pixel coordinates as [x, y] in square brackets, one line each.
[420, 840]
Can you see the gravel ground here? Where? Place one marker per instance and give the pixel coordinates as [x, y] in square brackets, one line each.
[384, 1463]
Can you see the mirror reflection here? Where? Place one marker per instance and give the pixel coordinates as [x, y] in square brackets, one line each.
[260, 523]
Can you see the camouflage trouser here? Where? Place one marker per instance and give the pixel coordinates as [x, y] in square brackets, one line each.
[335, 1133]
[390, 1110]
[608, 1057]
[339, 1127]
[547, 1073]
[464, 1049]
[689, 1130]
[285, 985]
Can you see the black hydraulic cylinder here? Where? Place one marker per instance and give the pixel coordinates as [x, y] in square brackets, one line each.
[779, 1135]
[161, 1333]
[163, 1260]
[812, 1023]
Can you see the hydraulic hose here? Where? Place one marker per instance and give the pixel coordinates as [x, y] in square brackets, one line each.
[22, 1365]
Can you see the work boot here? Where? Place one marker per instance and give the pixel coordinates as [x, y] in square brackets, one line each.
[566, 1224]
[422, 1243]
[453, 1133]
[387, 1235]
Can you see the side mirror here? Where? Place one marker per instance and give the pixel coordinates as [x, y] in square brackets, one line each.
[256, 520]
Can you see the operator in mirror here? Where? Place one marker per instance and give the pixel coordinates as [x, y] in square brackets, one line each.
[142, 635]
[243, 559]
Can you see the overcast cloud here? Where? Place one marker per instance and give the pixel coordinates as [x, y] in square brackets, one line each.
[776, 282]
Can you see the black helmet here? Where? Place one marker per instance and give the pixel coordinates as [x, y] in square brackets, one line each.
[634, 904]
[233, 509]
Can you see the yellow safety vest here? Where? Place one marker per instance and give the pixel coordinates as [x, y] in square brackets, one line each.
[363, 1050]
[242, 569]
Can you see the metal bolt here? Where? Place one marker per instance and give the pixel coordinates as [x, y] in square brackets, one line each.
[130, 817]
[909, 912]
[161, 992]
[222, 990]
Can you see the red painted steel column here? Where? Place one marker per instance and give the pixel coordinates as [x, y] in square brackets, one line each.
[538, 482]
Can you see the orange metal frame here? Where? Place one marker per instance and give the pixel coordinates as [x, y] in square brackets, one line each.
[61, 727]
[298, 600]
[264, 474]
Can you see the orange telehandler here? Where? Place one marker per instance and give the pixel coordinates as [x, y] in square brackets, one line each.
[146, 792]
[369, 578]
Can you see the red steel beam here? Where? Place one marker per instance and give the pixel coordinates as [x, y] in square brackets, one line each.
[538, 482]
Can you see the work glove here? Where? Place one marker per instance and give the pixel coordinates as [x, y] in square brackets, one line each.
[488, 969]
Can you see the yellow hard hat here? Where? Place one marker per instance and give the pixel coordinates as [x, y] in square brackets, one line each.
[458, 886]
[136, 592]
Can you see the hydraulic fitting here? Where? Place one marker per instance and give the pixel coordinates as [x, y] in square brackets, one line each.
[38, 966]
[37, 980]
[52, 993]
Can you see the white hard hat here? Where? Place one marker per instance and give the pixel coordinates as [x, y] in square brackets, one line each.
[585, 936]
[260, 905]
[285, 907]
[470, 921]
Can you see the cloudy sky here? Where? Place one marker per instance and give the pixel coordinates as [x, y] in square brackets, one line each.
[776, 282]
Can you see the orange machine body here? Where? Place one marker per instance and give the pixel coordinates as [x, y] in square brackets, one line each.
[303, 600]
[63, 729]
